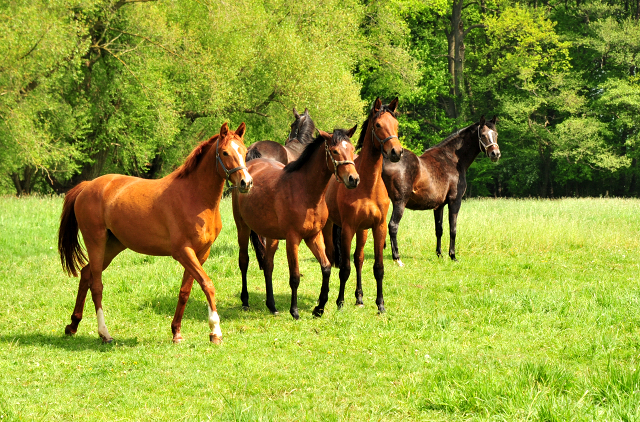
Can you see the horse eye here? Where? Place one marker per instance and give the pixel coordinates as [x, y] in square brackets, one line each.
[335, 152]
[377, 124]
[225, 153]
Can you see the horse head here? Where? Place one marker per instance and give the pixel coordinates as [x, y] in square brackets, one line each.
[230, 157]
[488, 138]
[302, 129]
[340, 153]
[384, 128]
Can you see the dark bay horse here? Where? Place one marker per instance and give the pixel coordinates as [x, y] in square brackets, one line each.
[175, 216]
[437, 178]
[287, 202]
[301, 134]
[356, 211]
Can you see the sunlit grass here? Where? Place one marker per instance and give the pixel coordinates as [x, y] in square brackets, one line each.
[540, 320]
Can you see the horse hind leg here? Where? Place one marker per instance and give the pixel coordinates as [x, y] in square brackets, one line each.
[317, 247]
[101, 253]
[394, 224]
[183, 297]
[83, 287]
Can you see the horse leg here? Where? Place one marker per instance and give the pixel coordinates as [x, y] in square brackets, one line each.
[101, 250]
[345, 261]
[243, 261]
[394, 223]
[327, 235]
[379, 234]
[271, 246]
[317, 247]
[453, 222]
[294, 274]
[358, 259]
[183, 297]
[187, 257]
[437, 214]
[76, 316]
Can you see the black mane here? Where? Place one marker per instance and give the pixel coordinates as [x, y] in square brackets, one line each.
[462, 131]
[339, 135]
[306, 130]
[384, 109]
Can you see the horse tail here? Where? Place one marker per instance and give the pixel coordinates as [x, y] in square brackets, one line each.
[72, 254]
[337, 241]
[258, 245]
[253, 153]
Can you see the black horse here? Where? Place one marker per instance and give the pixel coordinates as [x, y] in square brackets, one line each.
[437, 178]
[301, 134]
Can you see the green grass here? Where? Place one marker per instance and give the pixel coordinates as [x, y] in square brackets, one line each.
[540, 320]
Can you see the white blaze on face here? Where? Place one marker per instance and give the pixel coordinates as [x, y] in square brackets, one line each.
[214, 323]
[241, 158]
[344, 144]
[490, 136]
[102, 328]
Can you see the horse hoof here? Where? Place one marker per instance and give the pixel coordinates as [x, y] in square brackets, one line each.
[215, 339]
[106, 340]
[318, 311]
[295, 314]
[360, 305]
[381, 309]
[245, 307]
[177, 340]
[69, 331]
[399, 262]
[340, 304]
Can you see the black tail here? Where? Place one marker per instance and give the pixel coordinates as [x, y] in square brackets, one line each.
[337, 241]
[252, 154]
[258, 245]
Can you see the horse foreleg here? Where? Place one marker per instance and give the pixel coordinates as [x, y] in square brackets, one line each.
[294, 274]
[187, 257]
[243, 261]
[453, 222]
[327, 235]
[317, 246]
[345, 262]
[183, 297]
[437, 214]
[379, 234]
[358, 259]
[271, 246]
[394, 224]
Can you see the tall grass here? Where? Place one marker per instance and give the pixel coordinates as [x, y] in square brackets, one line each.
[539, 320]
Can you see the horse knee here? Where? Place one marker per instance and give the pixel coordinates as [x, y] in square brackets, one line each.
[326, 271]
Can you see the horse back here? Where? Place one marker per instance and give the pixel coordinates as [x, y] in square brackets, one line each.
[436, 182]
[269, 149]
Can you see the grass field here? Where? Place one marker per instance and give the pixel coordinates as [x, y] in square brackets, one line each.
[540, 320]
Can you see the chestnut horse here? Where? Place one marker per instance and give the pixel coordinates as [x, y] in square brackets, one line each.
[176, 216]
[287, 202]
[364, 208]
[437, 178]
[302, 130]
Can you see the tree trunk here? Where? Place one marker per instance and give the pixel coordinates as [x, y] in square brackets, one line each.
[23, 186]
[455, 57]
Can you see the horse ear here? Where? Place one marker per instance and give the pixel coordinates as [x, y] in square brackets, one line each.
[325, 135]
[495, 119]
[224, 130]
[306, 111]
[352, 131]
[295, 113]
[482, 121]
[241, 129]
[377, 104]
[393, 105]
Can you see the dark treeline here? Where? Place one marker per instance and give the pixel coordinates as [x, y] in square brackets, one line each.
[129, 86]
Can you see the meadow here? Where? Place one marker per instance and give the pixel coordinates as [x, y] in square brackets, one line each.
[539, 320]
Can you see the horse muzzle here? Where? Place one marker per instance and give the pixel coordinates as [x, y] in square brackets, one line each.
[245, 184]
[352, 181]
[495, 155]
[395, 155]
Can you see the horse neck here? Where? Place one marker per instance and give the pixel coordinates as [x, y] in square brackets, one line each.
[469, 149]
[206, 180]
[316, 173]
[369, 165]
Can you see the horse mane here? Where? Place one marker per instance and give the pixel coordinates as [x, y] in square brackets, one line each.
[194, 158]
[365, 126]
[458, 133]
[339, 135]
[306, 130]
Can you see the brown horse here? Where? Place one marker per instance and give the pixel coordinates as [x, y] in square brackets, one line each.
[364, 208]
[176, 216]
[302, 130]
[437, 178]
[287, 202]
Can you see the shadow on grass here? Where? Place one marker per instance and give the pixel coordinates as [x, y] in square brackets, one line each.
[196, 309]
[61, 341]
